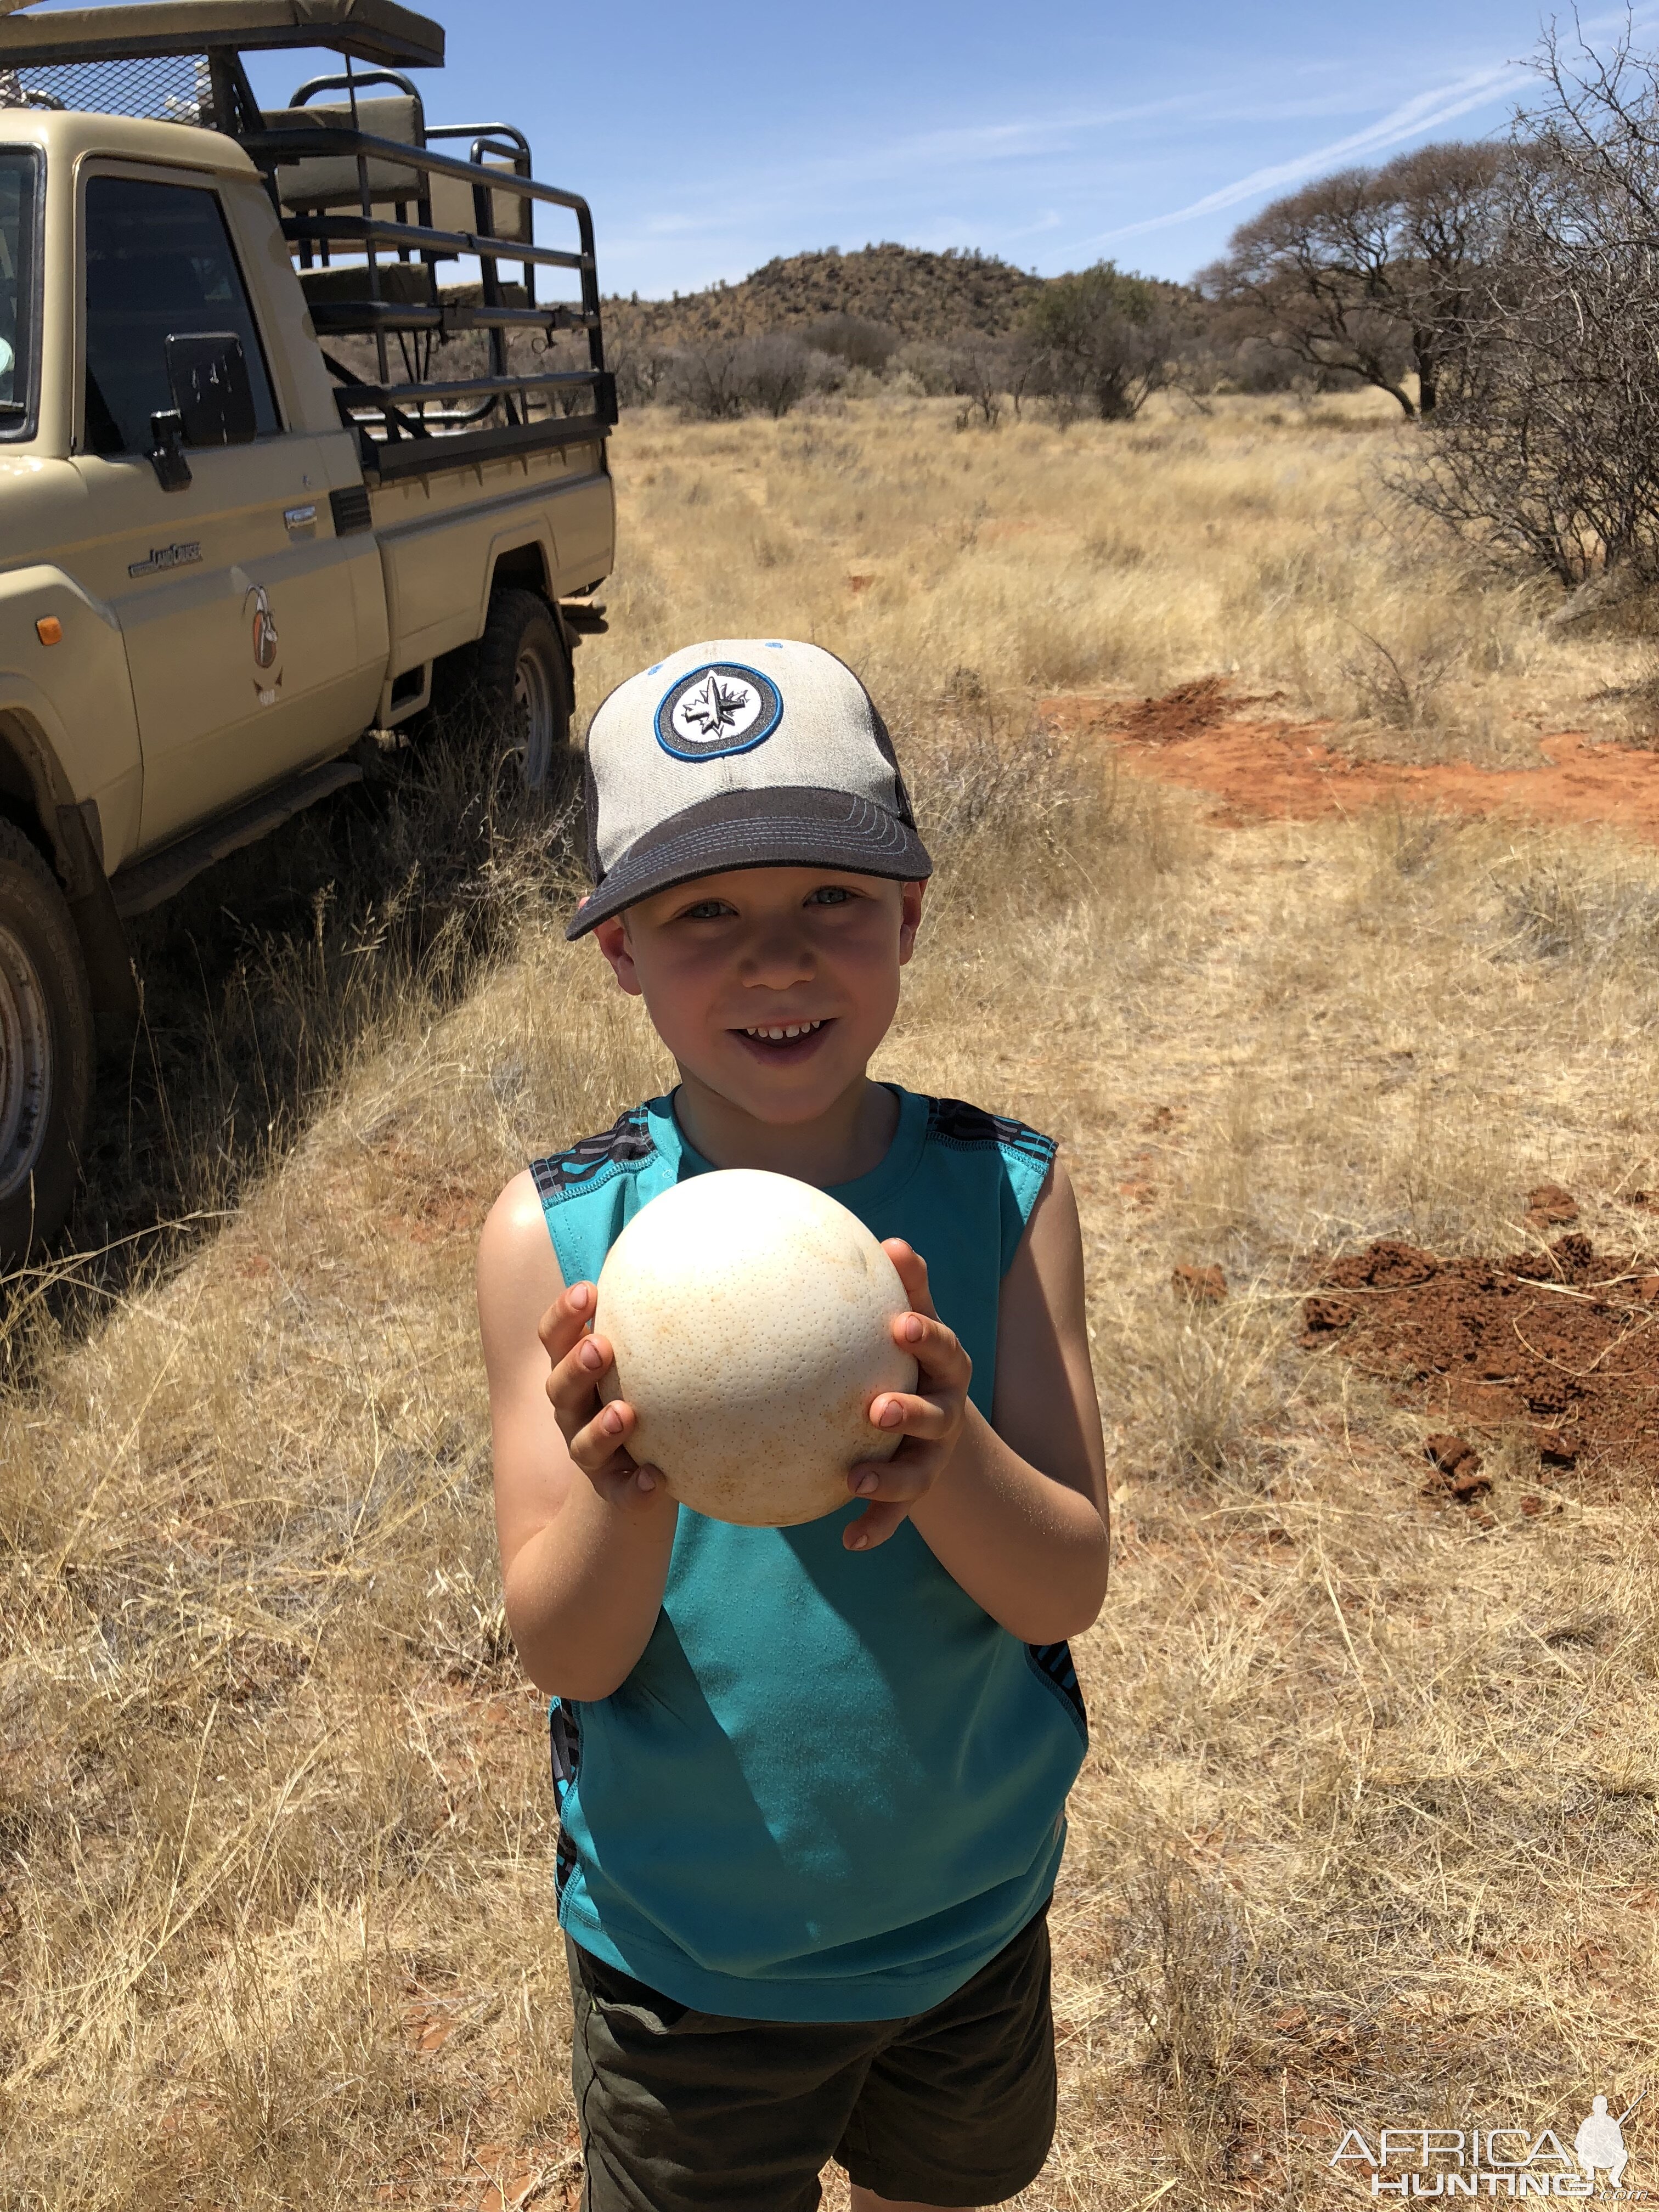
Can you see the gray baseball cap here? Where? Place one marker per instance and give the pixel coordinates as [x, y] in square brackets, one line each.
[741, 753]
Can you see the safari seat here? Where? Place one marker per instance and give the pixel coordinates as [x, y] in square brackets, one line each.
[453, 207]
[330, 180]
[403, 284]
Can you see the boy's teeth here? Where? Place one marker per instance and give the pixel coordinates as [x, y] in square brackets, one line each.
[779, 1033]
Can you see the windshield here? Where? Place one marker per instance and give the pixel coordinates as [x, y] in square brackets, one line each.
[19, 186]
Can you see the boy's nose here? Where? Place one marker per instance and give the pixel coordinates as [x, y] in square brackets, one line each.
[777, 960]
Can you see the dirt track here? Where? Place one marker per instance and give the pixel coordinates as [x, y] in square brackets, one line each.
[1204, 737]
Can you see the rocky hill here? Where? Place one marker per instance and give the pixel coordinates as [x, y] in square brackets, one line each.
[915, 295]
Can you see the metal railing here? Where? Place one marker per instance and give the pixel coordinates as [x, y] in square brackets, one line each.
[401, 416]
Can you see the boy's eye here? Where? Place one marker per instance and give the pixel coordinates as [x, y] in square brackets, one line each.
[707, 910]
[830, 895]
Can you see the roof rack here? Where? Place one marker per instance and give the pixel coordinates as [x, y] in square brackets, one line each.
[378, 31]
[401, 297]
[345, 178]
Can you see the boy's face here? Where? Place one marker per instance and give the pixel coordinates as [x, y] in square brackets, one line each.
[728, 964]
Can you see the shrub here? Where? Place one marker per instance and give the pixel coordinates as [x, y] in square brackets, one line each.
[1104, 342]
[855, 339]
[730, 377]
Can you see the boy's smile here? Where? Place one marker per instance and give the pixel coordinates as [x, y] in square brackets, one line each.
[772, 987]
[785, 1041]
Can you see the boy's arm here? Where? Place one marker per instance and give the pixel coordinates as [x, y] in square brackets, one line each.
[1016, 1513]
[585, 1534]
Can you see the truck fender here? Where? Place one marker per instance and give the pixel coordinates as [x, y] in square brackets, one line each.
[34, 794]
[69, 760]
[72, 700]
[523, 563]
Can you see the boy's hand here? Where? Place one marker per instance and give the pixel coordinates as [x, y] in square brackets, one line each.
[930, 1422]
[596, 1434]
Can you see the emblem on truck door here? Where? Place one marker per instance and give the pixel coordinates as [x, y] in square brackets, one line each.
[256, 610]
[163, 558]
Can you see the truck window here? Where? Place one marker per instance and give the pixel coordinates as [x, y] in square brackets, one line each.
[18, 175]
[160, 264]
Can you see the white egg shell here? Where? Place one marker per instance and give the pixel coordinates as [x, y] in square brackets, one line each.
[750, 1316]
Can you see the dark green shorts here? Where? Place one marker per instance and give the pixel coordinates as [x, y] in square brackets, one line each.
[692, 2111]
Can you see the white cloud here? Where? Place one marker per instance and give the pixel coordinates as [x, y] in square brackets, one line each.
[1427, 110]
[1424, 112]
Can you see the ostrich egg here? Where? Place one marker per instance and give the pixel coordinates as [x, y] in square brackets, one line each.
[750, 1316]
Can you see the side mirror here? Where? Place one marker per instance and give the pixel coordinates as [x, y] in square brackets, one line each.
[208, 378]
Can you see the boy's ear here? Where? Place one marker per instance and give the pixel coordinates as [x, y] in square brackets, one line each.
[612, 937]
[912, 896]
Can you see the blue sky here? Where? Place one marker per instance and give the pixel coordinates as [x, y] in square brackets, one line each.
[711, 137]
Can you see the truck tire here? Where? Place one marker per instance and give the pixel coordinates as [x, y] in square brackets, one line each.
[522, 673]
[47, 1052]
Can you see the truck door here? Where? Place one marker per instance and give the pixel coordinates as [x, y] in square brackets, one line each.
[234, 594]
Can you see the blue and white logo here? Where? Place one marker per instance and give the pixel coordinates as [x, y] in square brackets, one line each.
[716, 710]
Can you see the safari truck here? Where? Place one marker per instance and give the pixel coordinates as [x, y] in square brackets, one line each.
[249, 513]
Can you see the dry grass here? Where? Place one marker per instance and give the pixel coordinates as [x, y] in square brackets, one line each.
[1254, 540]
[1368, 1830]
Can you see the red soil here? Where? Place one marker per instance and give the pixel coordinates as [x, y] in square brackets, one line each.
[1562, 1343]
[1203, 736]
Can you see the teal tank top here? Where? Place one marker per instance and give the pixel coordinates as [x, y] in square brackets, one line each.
[832, 1787]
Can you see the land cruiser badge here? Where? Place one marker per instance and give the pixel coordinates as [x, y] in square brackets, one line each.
[163, 558]
[255, 608]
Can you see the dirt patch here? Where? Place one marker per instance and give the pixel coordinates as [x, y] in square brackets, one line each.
[1564, 1344]
[1187, 712]
[1208, 739]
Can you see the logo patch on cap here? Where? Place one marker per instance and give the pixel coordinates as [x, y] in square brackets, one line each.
[719, 709]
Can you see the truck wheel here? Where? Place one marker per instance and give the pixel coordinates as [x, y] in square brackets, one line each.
[524, 678]
[45, 1051]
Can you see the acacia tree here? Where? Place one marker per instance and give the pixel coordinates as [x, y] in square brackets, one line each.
[1551, 451]
[1371, 271]
[1450, 199]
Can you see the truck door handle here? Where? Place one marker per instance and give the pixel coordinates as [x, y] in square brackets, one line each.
[167, 455]
[300, 518]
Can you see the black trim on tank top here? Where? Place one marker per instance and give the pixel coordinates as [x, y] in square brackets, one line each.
[627, 1140]
[954, 1121]
[1054, 1662]
[564, 1742]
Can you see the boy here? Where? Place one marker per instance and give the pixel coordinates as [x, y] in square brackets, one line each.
[811, 1779]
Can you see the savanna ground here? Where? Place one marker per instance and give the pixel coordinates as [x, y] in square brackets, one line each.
[1367, 1833]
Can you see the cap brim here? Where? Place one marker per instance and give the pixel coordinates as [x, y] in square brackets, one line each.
[780, 827]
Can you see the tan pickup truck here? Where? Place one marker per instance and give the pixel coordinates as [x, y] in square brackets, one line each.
[247, 509]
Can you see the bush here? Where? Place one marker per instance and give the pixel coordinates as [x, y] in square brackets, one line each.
[1103, 341]
[642, 372]
[855, 339]
[929, 364]
[983, 371]
[732, 377]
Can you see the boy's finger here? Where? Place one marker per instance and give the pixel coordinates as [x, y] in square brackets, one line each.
[873, 1526]
[574, 1384]
[924, 1417]
[912, 1273]
[934, 1348]
[901, 1480]
[597, 1443]
[565, 1319]
[625, 1482]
